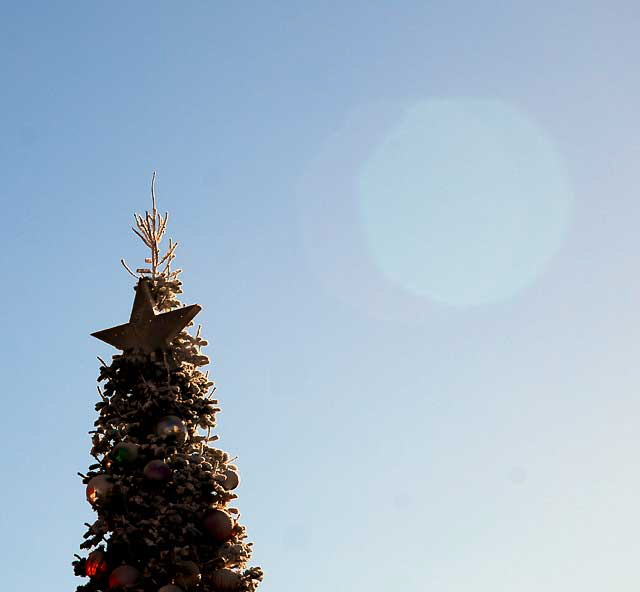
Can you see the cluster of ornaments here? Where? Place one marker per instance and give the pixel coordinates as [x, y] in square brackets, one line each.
[188, 577]
[100, 487]
[217, 522]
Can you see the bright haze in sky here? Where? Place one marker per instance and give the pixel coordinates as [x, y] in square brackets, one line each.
[413, 230]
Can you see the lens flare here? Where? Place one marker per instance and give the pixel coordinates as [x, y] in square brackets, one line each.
[464, 201]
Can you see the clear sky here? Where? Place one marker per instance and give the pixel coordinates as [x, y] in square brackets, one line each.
[413, 229]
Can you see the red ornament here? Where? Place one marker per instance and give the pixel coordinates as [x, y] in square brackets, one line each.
[124, 576]
[99, 489]
[225, 580]
[96, 564]
[219, 525]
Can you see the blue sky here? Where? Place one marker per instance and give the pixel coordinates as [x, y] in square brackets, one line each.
[413, 230]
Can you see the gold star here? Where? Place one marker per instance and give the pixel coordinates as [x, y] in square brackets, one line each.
[147, 330]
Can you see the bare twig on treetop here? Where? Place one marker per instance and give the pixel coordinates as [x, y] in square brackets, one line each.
[151, 229]
[124, 264]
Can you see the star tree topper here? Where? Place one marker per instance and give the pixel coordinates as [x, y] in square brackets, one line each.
[146, 330]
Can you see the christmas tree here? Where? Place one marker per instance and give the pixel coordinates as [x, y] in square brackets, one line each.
[161, 492]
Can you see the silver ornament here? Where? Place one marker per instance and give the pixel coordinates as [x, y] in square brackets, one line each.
[232, 479]
[171, 426]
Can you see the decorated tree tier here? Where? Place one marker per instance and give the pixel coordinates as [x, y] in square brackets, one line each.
[161, 492]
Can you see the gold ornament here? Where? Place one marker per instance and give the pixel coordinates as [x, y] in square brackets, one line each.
[225, 580]
[187, 574]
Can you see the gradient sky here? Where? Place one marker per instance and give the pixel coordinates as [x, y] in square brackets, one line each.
[413, 228]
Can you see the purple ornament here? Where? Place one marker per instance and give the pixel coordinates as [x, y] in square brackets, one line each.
[219, 525]
[157, 470]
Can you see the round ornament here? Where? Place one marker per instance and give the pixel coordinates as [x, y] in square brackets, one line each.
[219, 525]
[96, 564]
[172, 427]
[232, 480]
[125, 453]
[124, 576]
[187, 574]
[178, 462]
[99, 489]
[157, 470]
[170, 588]
[225, 580]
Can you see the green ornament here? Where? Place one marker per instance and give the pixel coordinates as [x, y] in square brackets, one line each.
[125, 453]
